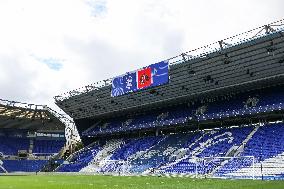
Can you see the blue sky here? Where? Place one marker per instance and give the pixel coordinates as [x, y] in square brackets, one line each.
[52, 46]
[53, 64]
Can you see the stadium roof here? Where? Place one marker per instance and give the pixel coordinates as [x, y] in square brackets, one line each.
[274, 27]
[31, 117]
[244, 62]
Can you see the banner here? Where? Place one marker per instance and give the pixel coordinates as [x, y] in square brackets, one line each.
[151, 76]
[144, 78]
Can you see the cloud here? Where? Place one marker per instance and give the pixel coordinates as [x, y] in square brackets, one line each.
[50, 47]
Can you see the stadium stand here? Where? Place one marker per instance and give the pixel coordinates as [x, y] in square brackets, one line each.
[173, 153]
[30, 135]
[11, 145]
[79, 160]
[219, 114]
[23, 165]
[237, 105]
[47, 147]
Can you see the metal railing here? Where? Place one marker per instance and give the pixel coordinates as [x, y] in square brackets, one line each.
[35, 107]
[22, 105]
[200, 52]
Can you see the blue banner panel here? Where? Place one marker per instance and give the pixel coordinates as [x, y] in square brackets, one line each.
[160, 73]
[124, 84]
[137, 80]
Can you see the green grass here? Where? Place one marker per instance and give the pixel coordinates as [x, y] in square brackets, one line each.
[116, 182]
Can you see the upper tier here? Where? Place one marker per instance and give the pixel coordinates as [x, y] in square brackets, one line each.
[246, 64]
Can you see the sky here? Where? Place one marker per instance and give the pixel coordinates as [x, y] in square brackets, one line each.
[48, 47]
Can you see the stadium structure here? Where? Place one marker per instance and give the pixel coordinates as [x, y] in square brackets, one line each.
[30, 136]
[215, 111]
[220, 114]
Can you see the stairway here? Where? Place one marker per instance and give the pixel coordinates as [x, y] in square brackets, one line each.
[99, 160]
[107, 150]
[236, 150]
[242, 146]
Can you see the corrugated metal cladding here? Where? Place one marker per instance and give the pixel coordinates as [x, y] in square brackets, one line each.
[254, 64]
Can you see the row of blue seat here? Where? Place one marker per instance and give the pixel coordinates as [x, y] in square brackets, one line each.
[237, 105]
[11, 145]
[24, 165]
[162, 152]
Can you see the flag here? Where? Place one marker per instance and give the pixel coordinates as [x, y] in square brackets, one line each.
[144, 78]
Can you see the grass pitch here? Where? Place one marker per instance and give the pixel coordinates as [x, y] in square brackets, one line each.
[116, 182]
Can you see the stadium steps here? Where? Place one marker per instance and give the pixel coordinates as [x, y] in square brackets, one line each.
[211, 142]
[107, 150]
[72, 155]
[233, 149]
[238, 150]
[81, 150]
[242, 146]
[104, 154]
